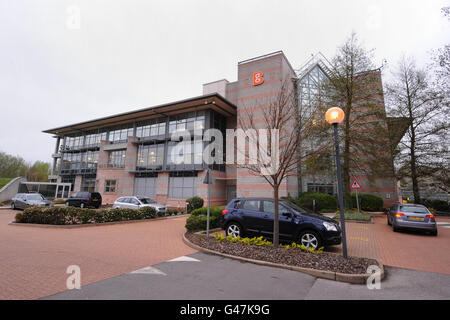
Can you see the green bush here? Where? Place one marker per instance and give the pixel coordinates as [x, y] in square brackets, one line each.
[368, 202]
[194, 203]
[438, 205]
[73, 215]
[323, 201]
[213, 211]
[148, 212]
[173, 212]
[198, 222]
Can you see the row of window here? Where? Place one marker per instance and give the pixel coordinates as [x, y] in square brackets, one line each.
[181, 185]
[151, 128]
[82, 160]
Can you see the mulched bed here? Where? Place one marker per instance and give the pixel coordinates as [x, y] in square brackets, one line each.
[295, 257]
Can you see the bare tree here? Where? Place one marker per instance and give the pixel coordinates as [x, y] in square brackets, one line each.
[285, 132]
[424, 147]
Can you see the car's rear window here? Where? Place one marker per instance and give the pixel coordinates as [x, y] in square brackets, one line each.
[34, 197]
[147, 200]
[413, 209]
[95, 195]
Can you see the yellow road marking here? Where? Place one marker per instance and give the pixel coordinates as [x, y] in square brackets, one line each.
[359, 238]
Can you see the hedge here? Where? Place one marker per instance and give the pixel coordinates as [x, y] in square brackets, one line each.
[368, 202]
[197, 220]
[324, 201]
[438, 205]
[73, 215]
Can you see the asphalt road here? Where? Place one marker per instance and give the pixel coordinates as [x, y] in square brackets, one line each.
[209, 277]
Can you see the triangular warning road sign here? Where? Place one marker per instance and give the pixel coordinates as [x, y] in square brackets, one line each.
[355, 185]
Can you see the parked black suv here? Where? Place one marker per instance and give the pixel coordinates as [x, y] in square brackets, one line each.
[255, 216]
[85, 199]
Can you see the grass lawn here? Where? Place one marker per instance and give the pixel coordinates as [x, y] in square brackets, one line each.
[4, 181]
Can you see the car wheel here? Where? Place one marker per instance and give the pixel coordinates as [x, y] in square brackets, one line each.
[434, 233]
[309, 239]
[388, 222]
[67, 203]
[234, 229]
[82, 205]
[394, 228]
[13, 206]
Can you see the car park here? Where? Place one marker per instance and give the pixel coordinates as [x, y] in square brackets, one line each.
[412, 217]
[85, 199]
[23, 200]
[255, 216]
[136, 203]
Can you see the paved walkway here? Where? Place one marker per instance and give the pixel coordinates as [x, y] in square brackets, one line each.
[33, 261]
[208, 277]
[405, 249]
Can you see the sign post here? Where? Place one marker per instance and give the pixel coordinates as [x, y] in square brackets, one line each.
[355, 186]
[208, 180]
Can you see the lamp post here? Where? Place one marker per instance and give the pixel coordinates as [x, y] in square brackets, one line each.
[334, 116]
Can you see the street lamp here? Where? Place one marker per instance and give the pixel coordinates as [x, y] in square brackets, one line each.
[334, 116]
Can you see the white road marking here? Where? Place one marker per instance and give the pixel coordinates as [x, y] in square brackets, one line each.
[149, 270]
[184, 258]
[443, 224]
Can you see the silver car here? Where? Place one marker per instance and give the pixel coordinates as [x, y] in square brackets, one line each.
[137, 203]
[411, 216]
[23, 200]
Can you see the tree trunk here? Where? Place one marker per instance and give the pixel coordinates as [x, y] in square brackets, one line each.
[276, 225]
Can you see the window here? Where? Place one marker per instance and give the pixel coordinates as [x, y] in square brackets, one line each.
[269, 207]
[117, 159]
[68, 179]
[320, 188]
[151, 129]
[182, 185]
[185, 152]
[94, 138]
[88, 184]
[120, 135]
[251, 205]
[150, 156]
[189, 121]
[110, 186]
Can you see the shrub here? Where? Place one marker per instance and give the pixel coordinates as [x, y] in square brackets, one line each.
[438, 205]
[194, 203]
[2, 204]
[59, 201]
[73, 215]
[198, 222]
[214, 211]
[353, 216]
[173, 212]
[323, 201]
[368, 202]
[148, 212]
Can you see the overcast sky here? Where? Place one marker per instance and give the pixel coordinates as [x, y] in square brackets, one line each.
[63, 62]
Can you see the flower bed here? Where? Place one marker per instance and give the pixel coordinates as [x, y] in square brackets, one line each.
[73, 215]
[293, 255]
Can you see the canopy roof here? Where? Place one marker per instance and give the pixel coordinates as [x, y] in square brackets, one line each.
[212, 101]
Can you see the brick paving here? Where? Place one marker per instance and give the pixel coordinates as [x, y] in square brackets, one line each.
[405, 249]
[33, 261]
